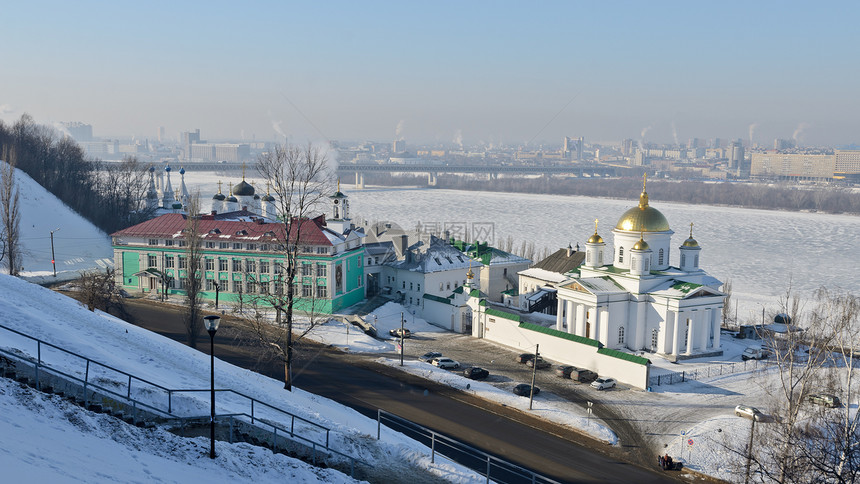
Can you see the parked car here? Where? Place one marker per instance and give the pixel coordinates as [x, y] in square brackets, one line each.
[540, 363]
[524, 390]
[751, 413]
[445, 363]
[429, 356]
[754, 353]
[603, 383]
[583, 376]
[565, 371]
[825, 400]
[476, 373]
[524, 357]
[395, 333]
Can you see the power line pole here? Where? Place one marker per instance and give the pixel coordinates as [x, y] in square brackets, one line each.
[534, 372]
[53, 259]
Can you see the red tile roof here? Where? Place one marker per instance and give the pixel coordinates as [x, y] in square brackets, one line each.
[171, 225]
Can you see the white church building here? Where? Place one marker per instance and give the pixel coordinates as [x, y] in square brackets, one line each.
[633, 298]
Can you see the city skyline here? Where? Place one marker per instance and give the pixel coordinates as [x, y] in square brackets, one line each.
[481, 72]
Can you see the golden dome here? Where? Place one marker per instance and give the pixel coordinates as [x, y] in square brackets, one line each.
[690, 242]
[640, 245]
[643, 218]
[595, 239]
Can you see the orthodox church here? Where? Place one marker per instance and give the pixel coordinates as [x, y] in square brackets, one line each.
[633, 298]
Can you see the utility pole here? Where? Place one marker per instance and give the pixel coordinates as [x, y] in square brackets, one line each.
[749, 450]
[53, 259]
[401, 338]
[534, 373]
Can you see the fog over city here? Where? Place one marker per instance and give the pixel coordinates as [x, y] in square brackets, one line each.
[443, 73]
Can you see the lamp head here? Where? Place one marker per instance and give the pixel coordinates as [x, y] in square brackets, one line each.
[211, 323]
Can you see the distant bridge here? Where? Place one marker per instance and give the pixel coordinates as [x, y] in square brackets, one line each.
[492, 171]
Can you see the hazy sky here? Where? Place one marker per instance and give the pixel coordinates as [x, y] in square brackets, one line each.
[493, 71]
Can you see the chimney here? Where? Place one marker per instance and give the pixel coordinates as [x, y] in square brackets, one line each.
[401, 242]
[569, 250]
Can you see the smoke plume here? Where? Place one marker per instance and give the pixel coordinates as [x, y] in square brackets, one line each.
[752, 131]
[798, 132]
[675, 134]
[398, 131]
[458, 138]
[276, 125]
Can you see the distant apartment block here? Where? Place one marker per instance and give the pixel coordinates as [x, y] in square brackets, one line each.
[220, 152]
[79, 131]
[793, 165]
[847, 162]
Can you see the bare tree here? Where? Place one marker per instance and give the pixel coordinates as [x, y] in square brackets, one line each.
[10, 215]
[194, 279]
[98, 290]
[727, 302]
[300, 180]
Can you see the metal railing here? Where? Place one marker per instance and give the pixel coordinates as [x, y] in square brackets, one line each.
[670, 378]
[489, 466]
[158, 399]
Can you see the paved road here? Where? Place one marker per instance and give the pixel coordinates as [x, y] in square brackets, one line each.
[359, 383]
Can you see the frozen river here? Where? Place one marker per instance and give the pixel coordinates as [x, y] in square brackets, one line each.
[762, 252]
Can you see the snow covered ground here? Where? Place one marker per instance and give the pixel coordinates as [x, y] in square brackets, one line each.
[78, 244]
[57, 441]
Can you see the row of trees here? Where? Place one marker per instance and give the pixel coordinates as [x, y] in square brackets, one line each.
[770, 197]
[106, 194]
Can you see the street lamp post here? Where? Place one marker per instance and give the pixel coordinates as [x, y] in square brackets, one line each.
[211, 323]
[53, 259]
[534, 373]
[217, 290]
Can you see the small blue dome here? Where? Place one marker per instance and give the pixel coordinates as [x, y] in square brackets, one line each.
[167, 168]
[152, 169]
[182, 171]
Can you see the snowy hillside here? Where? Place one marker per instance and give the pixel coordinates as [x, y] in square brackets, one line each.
[50, 435]
[78, 244]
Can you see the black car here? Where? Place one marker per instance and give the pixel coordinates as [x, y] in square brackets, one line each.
[538, 362]
[524, 390]
[565, 371]
[524, 357]
[395, 333]
[585, 376]
[476, 373]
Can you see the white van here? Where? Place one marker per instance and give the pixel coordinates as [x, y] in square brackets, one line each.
[754, 353]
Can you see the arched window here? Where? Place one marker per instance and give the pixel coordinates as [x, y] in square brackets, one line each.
[660, 258]
[696, 260]
[621, 254]
[588, 256]
[621, 335]
[683, 260]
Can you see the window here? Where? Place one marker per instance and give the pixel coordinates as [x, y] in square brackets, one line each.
[237, 286]
[660, 258]
[696, 260]
[210, 285]
[307, 290]
[237, 265]
[411, 287]
[168, 262]
[168, 242]
[307, 269]
[264, 247]
[222, 265]
[151, 261]
[448, 286]
[621, 254]
[322, 270]
[419, 287]
[251, 246]
[279, 287]
[210, 264]
[376, 260]
[278, 268]
[182, 243]
[237, 246]
[264, 267]
[251, 287]
[410, 301]
[588, 256]
[441, 286]
[369, 261]
[183, 262]
[250, 265]
[322, 250]
[153, 241]
[307, 249]
[683, 259]
[322, 290]
[264, 288]
[223, 245]
[621, 335]
[210, 245]
[404, 284]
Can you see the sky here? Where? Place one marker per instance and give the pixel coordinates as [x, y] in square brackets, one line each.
[491, 72]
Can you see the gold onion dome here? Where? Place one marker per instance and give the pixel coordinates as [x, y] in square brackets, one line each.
[640, 244]
[595, 239]
[643, 217]
[690, 242]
